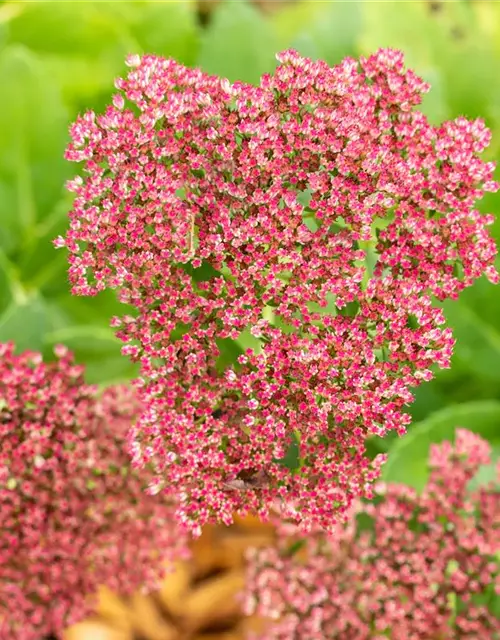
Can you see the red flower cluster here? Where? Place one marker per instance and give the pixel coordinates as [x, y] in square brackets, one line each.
[317, 212]
[73, 514]
[413, 567]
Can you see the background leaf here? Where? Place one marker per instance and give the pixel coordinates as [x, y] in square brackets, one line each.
[98, 348]
[168, 29]
[478, 342]
[408, 457]
[25, 322]
[33, 134]
[239, 44]
[335, 31]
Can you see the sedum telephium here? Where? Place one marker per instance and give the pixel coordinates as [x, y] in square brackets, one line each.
[319, 214]
[73, 514]
[409, 567]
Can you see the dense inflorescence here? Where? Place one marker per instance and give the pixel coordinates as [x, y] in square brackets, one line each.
[73, 513]
[410, 567]
[318, 214]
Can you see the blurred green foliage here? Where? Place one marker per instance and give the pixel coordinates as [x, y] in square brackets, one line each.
[60, 58]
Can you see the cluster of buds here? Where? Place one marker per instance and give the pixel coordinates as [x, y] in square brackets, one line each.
[319, 215]
[407, 566]
[73, 513]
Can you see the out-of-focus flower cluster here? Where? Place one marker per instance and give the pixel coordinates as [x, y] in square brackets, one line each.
[318, 211]
[73, 514]
[406, 567]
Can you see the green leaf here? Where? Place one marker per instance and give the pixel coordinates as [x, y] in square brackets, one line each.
[40, 265]
[74, 28]
[10, 228]
[434, 103]
[97, 348]
[291, 460]
[484, 298]
[3, 33]
[33, 130]
[336, 29]
[96, 310]
[326, 30]
[305, 44]
[202, 273]
[229, 351]
[239, 44]
[487, 474]
[87, 47]
[478, 341]
[408, 457]
[90, 40]
[82, 324]
[25, 323]
[429, 397]
[86, 82]
[168, 29]
[294, 20]
[5, 291]
[11, 288]
[247, 341]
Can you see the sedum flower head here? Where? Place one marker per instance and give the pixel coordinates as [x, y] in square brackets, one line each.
[407, 567]
[73, 514]
[318, 215]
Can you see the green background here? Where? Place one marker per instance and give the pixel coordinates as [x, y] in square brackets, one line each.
[60, 58]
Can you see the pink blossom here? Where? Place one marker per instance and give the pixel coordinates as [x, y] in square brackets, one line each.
[407, 567]
[321, 213]
[73, 513]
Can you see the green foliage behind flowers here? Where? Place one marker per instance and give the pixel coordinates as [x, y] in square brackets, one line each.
[47, 79]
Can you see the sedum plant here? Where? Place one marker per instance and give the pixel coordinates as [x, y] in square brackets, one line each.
[407, 566]
[282, 250]
[74, 515]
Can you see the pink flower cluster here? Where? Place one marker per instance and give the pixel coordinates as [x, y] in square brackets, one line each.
[317, 214]
[413, 567]
[73, 514]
